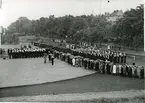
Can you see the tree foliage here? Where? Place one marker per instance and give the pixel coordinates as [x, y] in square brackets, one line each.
[86, 28]
[129, 30]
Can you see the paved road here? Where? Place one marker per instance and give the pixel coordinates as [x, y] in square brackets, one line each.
[33, 71]
[94, 83]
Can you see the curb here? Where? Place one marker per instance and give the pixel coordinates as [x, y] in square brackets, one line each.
[48, 82]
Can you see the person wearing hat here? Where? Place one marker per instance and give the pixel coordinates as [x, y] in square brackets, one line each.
[10, 53]
[134, 71]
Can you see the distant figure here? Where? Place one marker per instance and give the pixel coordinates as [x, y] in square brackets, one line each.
[133, 57]
[52, 59]
[49, 57]
[8, 53]
[25, 46]
[29, 46]
[108, 47]
[114, 69]
[45, 56]
[73, 61]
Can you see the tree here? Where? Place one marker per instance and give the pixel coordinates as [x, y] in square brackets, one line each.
[78, 24]
[21, 25]
[127, 31]
[130, 27]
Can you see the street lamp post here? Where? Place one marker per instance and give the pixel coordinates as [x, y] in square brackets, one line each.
[0, 3]
[100, 6]
[0, 27]
[1, 32]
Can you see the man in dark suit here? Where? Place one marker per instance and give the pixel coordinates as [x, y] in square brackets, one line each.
[9, 53]
[52, 59]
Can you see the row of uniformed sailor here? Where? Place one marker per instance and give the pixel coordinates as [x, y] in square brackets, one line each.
[115, 57]
[25, 53]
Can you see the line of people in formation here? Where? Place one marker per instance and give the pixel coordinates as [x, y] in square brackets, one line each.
[104, 61]
[92, 53]
[16, 53]
[100, 60]
[101, 66]
[115, 57]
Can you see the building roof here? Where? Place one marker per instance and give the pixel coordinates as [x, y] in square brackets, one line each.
[115, 13]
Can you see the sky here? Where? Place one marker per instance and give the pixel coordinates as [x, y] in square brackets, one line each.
[34, 9]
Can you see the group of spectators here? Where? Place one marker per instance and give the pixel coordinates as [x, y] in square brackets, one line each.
[105, 67]
[103, 61]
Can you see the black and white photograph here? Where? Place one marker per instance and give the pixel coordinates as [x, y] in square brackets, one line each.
[72, 51]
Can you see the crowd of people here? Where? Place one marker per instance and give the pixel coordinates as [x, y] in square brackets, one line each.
[112, 56]
[101, 65]
[103, 61]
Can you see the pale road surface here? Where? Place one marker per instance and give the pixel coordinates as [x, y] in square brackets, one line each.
[33, 71]
[17, 72]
